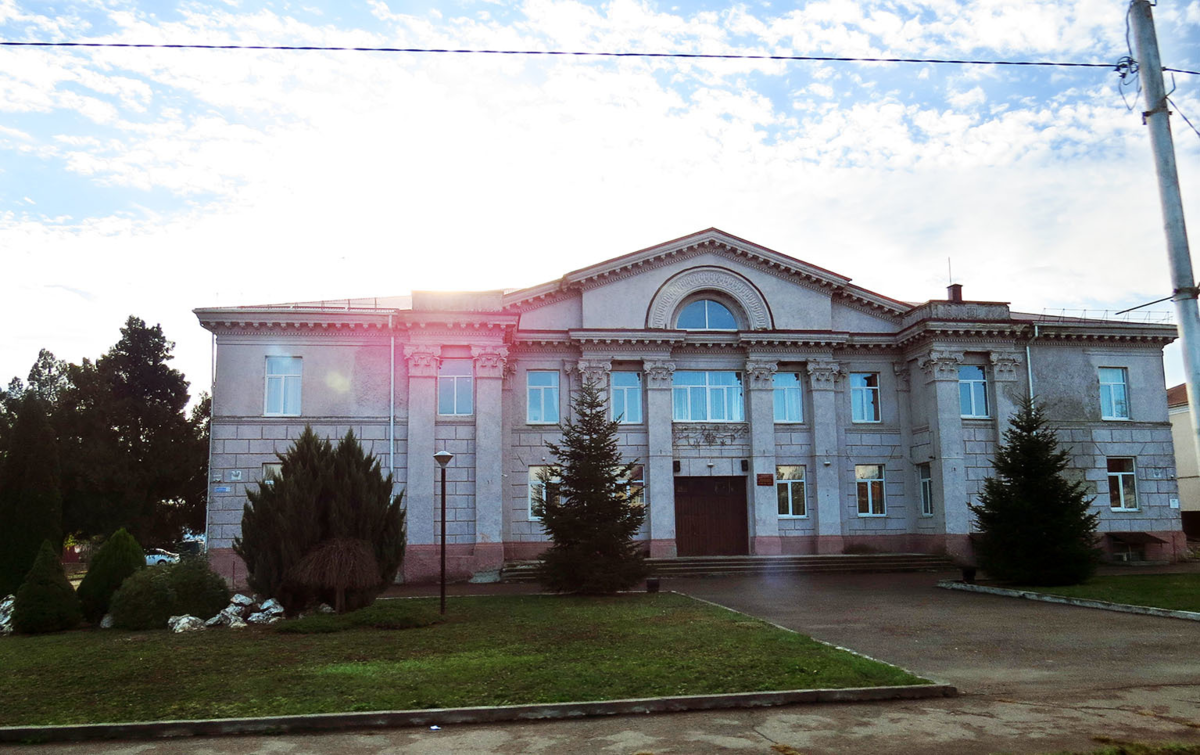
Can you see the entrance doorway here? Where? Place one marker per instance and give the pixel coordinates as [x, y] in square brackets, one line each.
[710, 516]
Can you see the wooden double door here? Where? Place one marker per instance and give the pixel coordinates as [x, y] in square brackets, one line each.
[711, 516]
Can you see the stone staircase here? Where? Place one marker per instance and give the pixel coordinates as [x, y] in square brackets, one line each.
[715, 566]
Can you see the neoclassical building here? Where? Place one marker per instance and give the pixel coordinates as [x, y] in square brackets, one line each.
[774, 406]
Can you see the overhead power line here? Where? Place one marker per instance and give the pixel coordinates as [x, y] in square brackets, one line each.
[587, 54]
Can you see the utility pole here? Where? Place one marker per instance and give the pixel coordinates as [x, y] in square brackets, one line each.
[1183, 281]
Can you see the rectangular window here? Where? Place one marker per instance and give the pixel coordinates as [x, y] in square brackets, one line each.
[1122, 485]
[635, 486]
[972, 391]
[542, 490]
[789, 489]
[925, 473]
[271, 471]
[283, 387]
[542, 397]
[455, 394]
[627, 397]
[864, 396]
[1114, 396]
[787, 397]
[707, 397]
[869, 480]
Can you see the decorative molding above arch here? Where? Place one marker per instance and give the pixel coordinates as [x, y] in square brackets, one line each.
[665, 304]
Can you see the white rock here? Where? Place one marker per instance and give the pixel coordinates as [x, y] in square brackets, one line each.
[215, 621]
[237, 623]
[107, 621]
[272, 607]
[258, 618]
[6, 612]
[324, 608]
[184, 623]
[241, 600]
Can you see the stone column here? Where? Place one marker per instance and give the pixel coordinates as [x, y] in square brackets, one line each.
[1006, 371]
[822, 384]
[945, 425]
[421, 552]
[760, 377]
[660, 480]
[912, 486]
[489, 457]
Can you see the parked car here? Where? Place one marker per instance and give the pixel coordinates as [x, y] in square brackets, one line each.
[156, 556]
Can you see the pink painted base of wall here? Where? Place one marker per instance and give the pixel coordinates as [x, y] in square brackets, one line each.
[1175, 549]
[230, 566]
[663, 549]
[767, 546]
[423, 563]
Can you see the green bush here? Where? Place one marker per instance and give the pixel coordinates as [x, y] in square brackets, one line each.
[119, 557]
[46, 602]
[151, 596]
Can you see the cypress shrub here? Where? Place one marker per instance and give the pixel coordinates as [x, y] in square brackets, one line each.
[30, 497]
[149, 597]
[322, 494]
[46, 602]
[119, 557]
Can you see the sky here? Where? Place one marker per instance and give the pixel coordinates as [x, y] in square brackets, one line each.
[153, 182]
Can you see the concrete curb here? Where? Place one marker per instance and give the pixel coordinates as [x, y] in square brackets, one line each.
[445, 716]
[1103, 605]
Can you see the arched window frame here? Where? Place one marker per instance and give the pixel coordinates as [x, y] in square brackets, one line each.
[728, 302]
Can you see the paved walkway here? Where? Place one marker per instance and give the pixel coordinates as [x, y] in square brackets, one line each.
[1035, 678]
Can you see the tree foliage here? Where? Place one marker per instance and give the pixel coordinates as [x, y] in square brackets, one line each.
[117, 559]
[1036, 526]
[151, 596]
[322, 494]
[592, 519]
[46, 602]
[30, 499]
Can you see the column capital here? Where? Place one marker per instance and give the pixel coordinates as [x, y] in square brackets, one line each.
[490, 361]
[593, 371]
[423, 359]
[1005, 365]
[823, 374]
[903, 378]
[658, 372]
[939, 364]
[760, 373]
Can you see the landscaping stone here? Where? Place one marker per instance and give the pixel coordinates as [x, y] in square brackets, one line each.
[325, 608]
[241, 600]
[107, 621]
[6, 612]
[236, 623]
[264, 618]
[271, 607]
[184, 623]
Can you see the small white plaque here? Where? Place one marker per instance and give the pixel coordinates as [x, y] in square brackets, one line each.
[235, 475]
[1174, 503]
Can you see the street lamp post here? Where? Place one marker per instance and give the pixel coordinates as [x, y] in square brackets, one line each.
[443, 458]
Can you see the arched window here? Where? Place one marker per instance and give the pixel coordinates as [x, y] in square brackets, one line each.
[706, 314]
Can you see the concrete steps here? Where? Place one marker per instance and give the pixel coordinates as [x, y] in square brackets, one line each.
[711, 566]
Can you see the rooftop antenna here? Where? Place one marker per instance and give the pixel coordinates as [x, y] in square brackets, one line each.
[949, 272]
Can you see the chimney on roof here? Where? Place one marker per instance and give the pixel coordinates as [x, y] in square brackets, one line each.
[954, 292]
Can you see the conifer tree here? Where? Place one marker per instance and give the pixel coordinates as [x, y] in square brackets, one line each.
[321, 494]
[46, 602]
[30, 498]
[1035, 524]
[119, 557]
[592, 518]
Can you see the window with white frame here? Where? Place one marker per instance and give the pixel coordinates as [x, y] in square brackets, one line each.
[282, 397]
[543, 487]
[707, 396]
[972, 391]
[635, 485]
[789, 489]
[864, 396]
[925, 474]
[869, 481]
[1122, 484]
[788, 406]
[627, 397]
[455, 387]
[1114, 393]
[706, 314]
[271, 471]
[541, 387]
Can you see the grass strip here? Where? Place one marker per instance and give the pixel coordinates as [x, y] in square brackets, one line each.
[1178, 592]
[488, 651]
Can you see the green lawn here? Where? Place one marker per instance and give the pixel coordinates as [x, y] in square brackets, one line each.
[489, 651]
[1180, 592]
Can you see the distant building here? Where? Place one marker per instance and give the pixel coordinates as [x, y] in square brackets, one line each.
[1185, 459]
[774, 406]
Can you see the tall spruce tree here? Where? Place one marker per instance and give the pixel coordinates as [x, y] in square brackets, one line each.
[1035, 524]
[322, 494]
[592, 518]
[30, 498]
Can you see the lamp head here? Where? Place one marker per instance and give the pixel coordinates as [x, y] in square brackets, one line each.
[443, 458]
